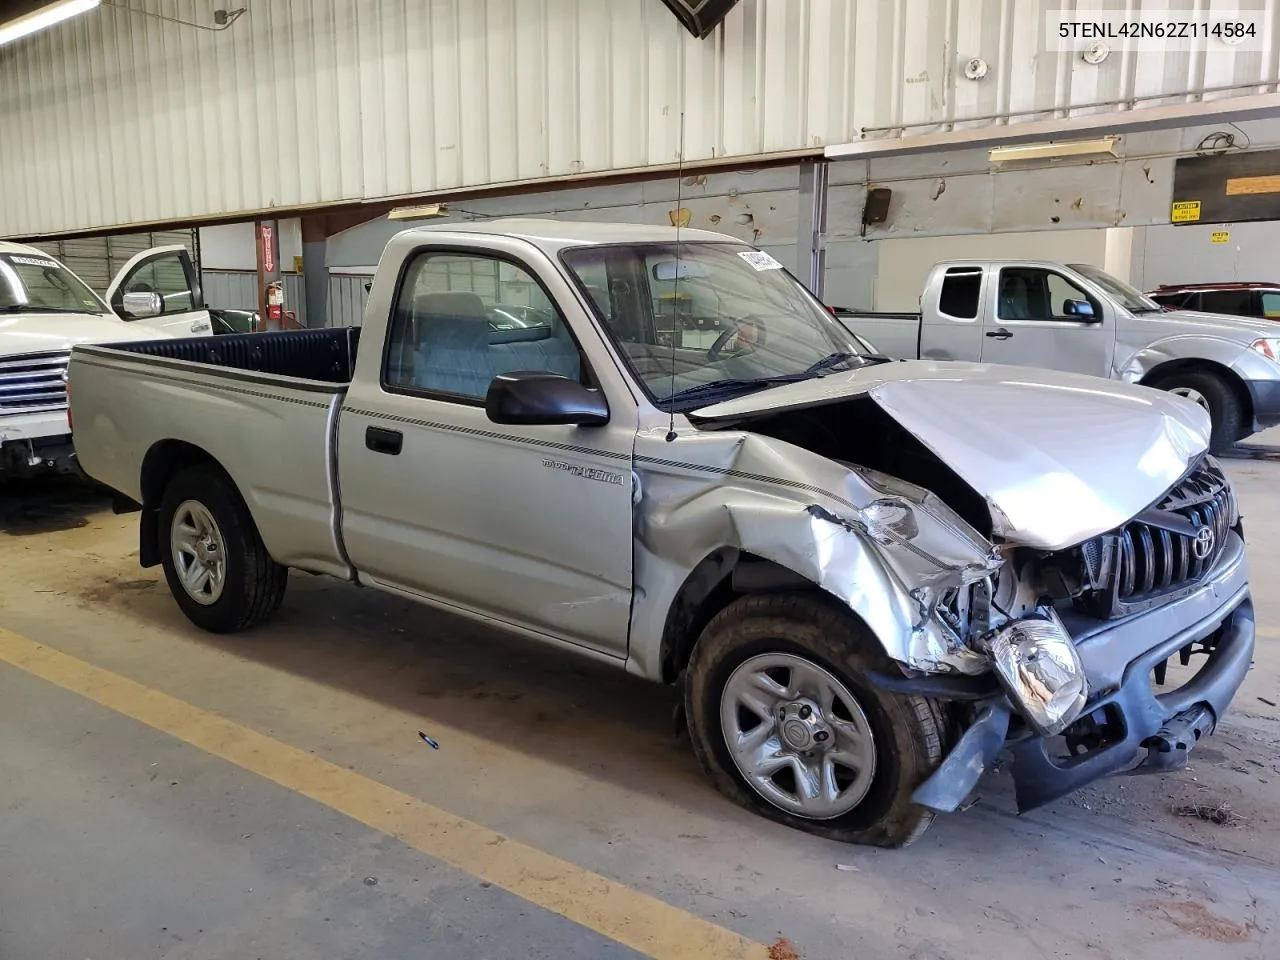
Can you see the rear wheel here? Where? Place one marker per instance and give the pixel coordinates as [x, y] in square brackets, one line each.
[1216, 396]
[216, 565]
[783, 722]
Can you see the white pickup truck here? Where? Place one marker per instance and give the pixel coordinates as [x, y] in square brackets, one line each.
[1076, 317]
[868, 577]
[45, 309]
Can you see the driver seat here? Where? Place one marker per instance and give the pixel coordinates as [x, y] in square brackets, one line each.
[1015, 298]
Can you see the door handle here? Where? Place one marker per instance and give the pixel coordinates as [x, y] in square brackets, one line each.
[381, 440]
[1001, 334]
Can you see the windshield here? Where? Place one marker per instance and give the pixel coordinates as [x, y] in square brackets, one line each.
[1121, 292]
[30, 283]
[716, 318]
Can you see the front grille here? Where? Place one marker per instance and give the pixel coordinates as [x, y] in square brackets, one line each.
[34, 383]
[1164, 550]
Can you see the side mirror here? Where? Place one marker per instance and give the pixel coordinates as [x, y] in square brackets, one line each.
[141, 306]
[544, 398]
[1078, 308]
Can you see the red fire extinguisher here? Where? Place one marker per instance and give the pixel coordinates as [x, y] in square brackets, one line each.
[275, 305]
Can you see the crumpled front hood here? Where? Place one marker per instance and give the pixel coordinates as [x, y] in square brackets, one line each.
[22, 333]
[1058, 457]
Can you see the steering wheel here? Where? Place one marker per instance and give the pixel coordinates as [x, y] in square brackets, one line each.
[751, 323]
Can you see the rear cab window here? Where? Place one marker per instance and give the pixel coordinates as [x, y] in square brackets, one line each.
[961, 292]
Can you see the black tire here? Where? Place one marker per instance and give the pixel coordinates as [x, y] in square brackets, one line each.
[253, 584]
[910, 733]
[1226, 413]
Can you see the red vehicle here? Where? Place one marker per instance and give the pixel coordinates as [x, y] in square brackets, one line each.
[1237, 299]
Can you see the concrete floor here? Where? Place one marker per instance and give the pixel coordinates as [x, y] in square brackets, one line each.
[121, 841]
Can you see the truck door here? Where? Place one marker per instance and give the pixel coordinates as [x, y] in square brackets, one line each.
[527, 525]
[168, 273]
[1038, 317]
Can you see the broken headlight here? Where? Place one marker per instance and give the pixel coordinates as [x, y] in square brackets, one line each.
[890, 520]
[896, 516]
[1040, 670]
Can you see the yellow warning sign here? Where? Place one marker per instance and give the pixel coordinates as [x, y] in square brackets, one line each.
[1219, 236]
[1185, 211]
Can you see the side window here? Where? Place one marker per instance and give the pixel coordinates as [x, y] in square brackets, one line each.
[1271, 304]
[170, 275]
[1033, 293]
[961, 287]
[461, 319]
[1234, 302]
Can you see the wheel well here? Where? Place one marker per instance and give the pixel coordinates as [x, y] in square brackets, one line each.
[720, 578]
[1228, 376]
[164, 461]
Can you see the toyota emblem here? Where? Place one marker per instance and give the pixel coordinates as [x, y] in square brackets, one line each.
[1202, 543]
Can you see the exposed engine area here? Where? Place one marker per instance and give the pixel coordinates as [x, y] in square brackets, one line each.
[859, 430]
[1157, 556]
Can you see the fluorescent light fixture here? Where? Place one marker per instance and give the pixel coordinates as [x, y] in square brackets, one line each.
[43, 18]
[419, 213]
[1052, 151]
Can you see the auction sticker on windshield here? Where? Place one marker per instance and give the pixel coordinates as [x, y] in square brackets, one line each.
[760, 260]
[33, 262]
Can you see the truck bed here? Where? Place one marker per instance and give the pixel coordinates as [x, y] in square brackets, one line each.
[327, 355]
[262, 406]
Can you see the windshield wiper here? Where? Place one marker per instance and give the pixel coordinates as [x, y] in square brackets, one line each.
[835, 359]
[31, 308]
[732, 383]
[738, 383]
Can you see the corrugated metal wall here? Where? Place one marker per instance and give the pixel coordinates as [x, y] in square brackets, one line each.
[96, 260]
[116, 118]
[760, 206]
[238, 290]
[347, 297]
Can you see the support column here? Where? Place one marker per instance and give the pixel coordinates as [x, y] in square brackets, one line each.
[1117, 257]
[811, 230]
[315, 282]
[267, 234]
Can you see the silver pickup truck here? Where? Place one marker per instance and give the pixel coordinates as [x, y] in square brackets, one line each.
[1081, 319]
[868, 578]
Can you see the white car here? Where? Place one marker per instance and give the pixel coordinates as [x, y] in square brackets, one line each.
[45, 310]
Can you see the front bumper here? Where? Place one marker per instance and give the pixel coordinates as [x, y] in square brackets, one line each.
[36, 443]
[1118, 658]
[1265, 398]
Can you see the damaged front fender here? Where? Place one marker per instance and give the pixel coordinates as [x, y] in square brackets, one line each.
[731, 494]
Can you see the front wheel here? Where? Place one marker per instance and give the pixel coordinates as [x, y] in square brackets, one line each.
[1215, 395]
[783, 722]
[216, 565]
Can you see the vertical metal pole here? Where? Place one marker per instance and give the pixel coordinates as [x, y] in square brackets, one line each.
[812, 225]
[268, 235]
[259, 255]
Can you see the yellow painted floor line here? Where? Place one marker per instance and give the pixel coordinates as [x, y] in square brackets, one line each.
[629, 917]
